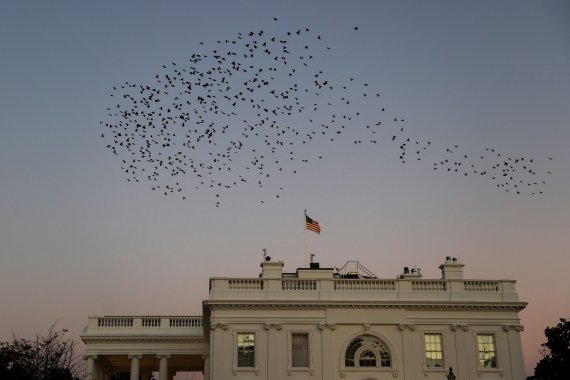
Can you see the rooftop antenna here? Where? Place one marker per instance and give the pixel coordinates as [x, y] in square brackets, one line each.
[265, 257]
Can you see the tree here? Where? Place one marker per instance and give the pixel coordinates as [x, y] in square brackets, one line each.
[50, 357]
[555, 362]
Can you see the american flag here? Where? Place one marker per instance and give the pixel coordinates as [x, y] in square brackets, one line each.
[312, 225]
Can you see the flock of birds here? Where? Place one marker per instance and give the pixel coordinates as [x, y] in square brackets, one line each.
[257, 106]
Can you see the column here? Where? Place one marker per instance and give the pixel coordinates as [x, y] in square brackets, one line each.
[91, 375]
[135, 365]
[163, 366]
[101, 372]
[206, 370]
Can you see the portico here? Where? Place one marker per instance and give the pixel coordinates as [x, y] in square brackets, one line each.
[142, 345]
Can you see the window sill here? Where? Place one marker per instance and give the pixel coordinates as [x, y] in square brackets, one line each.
[345, 370]
[245, 369]
[434, 370]
[292, 370]
[481, 371]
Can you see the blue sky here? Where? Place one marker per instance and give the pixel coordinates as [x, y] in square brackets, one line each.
[77, 239]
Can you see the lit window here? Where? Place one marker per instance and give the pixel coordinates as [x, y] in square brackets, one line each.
[246, 350]
[487, 351]
[300, 350]
[365, 350]
[434, 350]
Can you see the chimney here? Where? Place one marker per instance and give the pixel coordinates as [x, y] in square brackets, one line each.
[451, 269]
[271, 269]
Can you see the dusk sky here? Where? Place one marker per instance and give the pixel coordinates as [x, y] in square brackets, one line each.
[77, 239]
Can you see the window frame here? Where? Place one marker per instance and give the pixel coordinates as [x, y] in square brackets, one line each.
[235, 365]
[311, 368]
[425, 351]
[361, 349]
[495, 351]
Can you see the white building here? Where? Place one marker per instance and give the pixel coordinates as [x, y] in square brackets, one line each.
[320, 323]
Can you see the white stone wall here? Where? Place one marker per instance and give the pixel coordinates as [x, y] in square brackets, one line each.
[331, 330]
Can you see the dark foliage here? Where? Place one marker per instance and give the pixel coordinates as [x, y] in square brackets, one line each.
[555, 363]
[49, 357]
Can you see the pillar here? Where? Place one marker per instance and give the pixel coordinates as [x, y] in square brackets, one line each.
[135, 365]
[206, 370]
[100, 372]
[91, 375]
[163, 366]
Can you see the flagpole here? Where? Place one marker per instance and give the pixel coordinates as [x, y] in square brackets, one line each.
[305, 231]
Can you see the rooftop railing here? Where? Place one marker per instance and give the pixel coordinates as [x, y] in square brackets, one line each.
[132, 325]
[357, 289]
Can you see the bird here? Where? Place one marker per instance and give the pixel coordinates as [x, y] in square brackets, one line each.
[238, 111]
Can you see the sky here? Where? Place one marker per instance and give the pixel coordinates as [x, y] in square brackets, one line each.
[77, 239]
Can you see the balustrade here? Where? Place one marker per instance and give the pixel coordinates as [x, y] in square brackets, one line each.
[151, 322]
[296, 284]
[481, 286]
[186, 322]
[381, 289]
[245, 284]
[148, 322]
[365, 285]
[429, 286]
[115, 322]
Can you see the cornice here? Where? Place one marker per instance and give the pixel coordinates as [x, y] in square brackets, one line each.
[296, 305]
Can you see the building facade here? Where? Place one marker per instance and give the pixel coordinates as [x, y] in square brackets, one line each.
[321, 323]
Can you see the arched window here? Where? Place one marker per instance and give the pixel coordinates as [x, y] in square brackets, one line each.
[367, 359]
[367, 351]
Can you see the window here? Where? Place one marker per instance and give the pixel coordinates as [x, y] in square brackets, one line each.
[367, 359]
[300, 350]
[246, 350]
[434, 350]
[487, 350]
[367, 351]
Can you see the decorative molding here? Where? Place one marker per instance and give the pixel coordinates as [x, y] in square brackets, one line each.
[90, 356]
[276, 326]
[395, 374]
[462, 326]
[223, 326]
[409, 326]
[517, 328]
[135, 356]
[160, 356]
[366, 326]
[330, 326]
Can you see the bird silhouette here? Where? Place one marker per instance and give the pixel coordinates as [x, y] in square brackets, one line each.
[243, 111]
